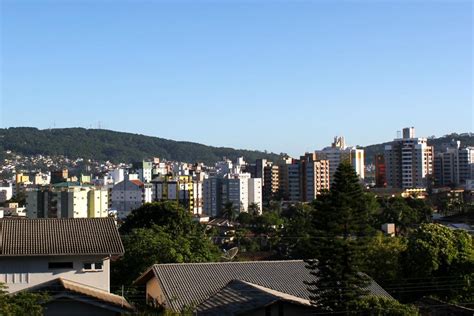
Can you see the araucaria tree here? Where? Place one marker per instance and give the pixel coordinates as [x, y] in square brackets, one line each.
[340, 230]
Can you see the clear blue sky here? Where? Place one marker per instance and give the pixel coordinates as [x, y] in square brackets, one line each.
[285, 76]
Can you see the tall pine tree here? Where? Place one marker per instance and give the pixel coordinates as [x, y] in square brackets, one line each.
[340, 228]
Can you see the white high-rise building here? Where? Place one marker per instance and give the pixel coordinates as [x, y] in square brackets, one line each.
[339, 152]
[409, 161]
[454, 165]
[237, 188]
[255, 192]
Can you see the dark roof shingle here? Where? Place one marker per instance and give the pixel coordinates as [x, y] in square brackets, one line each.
[78, 236]
[189, 284]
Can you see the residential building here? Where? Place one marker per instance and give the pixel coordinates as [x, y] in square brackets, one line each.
[237, 188]
[234, 288]
[380, 171]
[69, 258]
[6, 192]
[453, 165]
[129, 195]
[314, 176]
[144, 170]
[255, 193]
[182, 189]
[98, 202]
[212, 196]
[59, 176]
[339, 152]
[408, 161]
[271, 182]
[61, 200]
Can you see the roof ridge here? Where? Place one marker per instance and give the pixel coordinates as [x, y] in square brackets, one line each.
[219, 263]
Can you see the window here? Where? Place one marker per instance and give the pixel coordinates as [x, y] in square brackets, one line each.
[60, 265]
[90, 266]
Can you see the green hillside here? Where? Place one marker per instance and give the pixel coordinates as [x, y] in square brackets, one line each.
[104, 145]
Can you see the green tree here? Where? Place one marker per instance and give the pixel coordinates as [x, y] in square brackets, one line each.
[383, 260]
[296, 234]
[340, 229]
[442, 261]
[228, 211]
[160, 233]
[22, 303]
[381, 306]
[254, 209]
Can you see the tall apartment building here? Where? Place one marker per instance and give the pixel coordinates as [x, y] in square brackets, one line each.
[182, 189]
[408, 161]
[255, 193]
[454, 165]
[380, 171]
[237, 188]
[129, 195]
[98, 202]
[314, 176]
[144, 170]
[271, 182]
[293, 181]
[65, 200]
[339, 152]
[212, 196]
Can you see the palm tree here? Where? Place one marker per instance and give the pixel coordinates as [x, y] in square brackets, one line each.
[228, 211]
[254, 209]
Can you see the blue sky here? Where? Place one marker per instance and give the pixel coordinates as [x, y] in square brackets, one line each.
[284, 76]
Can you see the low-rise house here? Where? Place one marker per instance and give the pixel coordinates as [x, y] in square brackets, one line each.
[70, 256]
[233, 288]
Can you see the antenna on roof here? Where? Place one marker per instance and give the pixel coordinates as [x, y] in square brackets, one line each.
[230, 254]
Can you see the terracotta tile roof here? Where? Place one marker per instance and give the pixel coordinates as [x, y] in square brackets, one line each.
[78, 236]
[137, 182]
[189, 284]
[60, 285]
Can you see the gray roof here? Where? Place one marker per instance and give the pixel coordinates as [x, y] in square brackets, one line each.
[238, 297]
[189, 284]
[78, 236]
[59, 286]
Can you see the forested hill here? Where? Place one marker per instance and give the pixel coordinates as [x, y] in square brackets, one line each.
[467, 139]
[100, 144]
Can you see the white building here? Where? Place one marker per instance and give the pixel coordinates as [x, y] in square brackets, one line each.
[6, 192]
[255, 192]
[408, 161]
[239, 189]
[68, 258]
[98, 202]
[129, 195]
[339, 152]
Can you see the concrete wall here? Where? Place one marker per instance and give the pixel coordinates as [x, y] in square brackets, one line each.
[23, 272]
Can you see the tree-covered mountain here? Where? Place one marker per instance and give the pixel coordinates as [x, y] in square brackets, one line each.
[100, 144]
[467, 139]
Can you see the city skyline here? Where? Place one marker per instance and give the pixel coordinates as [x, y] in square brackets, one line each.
[276, 76]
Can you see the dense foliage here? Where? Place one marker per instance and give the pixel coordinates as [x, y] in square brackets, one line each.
[22, 303]
[441, 261]
[340, 229]
[105, 145]
[161, 232]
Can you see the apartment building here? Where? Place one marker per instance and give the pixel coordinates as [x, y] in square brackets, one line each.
[339, 152]
[182, 189]
[408, 161]
[129, 195]
[314, 176]
[454, 165]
